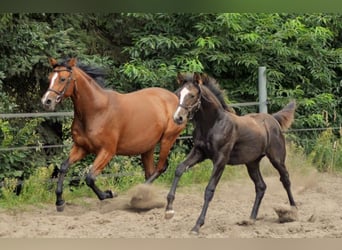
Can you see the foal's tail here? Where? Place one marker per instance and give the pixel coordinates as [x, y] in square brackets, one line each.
[285, 116]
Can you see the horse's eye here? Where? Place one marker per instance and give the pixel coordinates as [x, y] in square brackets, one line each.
[62, 79]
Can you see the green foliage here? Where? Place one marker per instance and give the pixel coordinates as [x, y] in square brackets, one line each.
[19, 163]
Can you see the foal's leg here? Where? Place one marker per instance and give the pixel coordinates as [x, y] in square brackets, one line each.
[279, 164]
[260, 186]
[277, 154]
[101, 160]
[195, 156]
[75, 155]
[209, 193]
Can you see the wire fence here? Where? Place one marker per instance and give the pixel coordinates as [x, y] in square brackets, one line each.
[71, 114]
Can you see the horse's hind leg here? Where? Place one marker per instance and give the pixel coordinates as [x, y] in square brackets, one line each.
[148, 163]
[165, 146]
[100, 162]
[260, 186]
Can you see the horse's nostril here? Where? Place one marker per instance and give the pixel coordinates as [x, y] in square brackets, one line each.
[48, 102]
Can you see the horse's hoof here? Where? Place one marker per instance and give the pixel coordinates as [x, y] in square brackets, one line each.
[110, 194]
[169, 214]
[60, 208]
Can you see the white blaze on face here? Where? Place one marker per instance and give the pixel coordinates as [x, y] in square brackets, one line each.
[52, 83]
[182, 96]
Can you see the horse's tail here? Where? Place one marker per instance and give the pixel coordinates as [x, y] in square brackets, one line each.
[285, 116]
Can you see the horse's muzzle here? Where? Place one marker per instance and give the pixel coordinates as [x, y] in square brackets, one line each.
[50, 99]
[49, 104]
[180, 116]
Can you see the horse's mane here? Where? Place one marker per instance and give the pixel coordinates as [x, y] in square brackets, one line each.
[97, 73]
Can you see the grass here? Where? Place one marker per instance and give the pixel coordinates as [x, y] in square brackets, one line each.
[35, 191]
[327, 152]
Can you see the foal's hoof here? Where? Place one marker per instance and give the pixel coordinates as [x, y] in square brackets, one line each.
[60, 208]
[194, 231]
[169, 214]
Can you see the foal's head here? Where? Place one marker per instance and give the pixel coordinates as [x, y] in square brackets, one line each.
[61, 83]
[189, 96]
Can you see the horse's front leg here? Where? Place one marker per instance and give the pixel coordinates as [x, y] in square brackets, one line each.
[195, 156]
[60, 203]
[101, 160]
[75, 155]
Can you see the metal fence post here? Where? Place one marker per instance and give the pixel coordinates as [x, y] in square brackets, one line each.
[262, 90]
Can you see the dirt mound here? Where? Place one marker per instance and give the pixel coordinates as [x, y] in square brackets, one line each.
[286, 214]
[145, 197]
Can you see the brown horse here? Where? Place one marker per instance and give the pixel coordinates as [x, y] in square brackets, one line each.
[108, 123]
[226, 138]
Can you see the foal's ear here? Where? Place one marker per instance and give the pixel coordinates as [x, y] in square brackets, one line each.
[180, 78]
[72, 62]
[52, 61]
[205, 78]
[197, 78]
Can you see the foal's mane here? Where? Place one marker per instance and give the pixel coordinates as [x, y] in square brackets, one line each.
[214, 88]
[97, 73]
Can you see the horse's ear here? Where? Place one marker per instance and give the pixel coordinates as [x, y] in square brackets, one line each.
[180, 78]
[197, 78]
[72, 62]
[52, 61]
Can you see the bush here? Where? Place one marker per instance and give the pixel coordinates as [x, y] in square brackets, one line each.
[19, 163]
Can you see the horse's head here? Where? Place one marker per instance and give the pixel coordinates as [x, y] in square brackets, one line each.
[61, 83]
[189, 97]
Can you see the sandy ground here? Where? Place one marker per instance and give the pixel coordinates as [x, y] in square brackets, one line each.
[319, 199]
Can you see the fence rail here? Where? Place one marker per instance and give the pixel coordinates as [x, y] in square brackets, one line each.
[38, 147]
[71, 113]
[35, 115]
